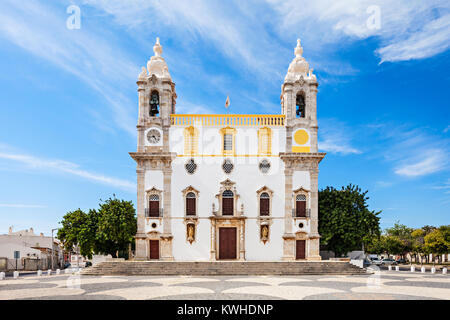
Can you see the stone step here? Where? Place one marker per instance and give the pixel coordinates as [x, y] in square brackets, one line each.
[222, 268]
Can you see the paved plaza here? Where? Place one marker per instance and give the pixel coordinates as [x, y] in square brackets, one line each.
[383, 285]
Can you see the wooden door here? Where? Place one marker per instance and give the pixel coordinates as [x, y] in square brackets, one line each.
[227, 243]
[264, 207]
[300, 208]
[190, 207]
[227, 206]
[154, 208]
[154, 249]
[300, 249]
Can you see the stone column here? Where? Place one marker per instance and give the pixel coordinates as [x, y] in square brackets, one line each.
[141, 95]
[242, 240]
[141, 252]
[166, 237]
[314, 237]
[213, 239]
[288, 236]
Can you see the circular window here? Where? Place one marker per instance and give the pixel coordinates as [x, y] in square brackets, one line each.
[264, 166]
[153, 225]
[227, 166]
[191, 166]
[300, 225]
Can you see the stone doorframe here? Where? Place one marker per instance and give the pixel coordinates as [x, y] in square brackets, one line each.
[228, 222]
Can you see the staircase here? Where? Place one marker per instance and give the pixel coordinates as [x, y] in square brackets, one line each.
[222, 268]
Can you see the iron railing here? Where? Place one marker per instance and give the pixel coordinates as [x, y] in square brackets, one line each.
[147, 213]
[307, 213]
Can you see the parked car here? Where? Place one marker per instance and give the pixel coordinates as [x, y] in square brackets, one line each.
[388, 261]
[87, 264]
[366, 263]
[375, 261]
[401, 261]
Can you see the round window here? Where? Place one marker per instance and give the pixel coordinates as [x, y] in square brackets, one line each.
[191, 166]
[153, 225]
[264, 166]
[300, 225]
[227, 166]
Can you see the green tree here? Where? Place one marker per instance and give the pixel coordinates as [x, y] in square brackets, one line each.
[77, 231]
[345, 222]
[435, 242]
[417, 246]
[116, 226]
[403, 234]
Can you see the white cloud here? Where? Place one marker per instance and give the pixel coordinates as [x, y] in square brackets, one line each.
[336, 137]
[414, 152]
[434, 38]
[9, 205]
[433, 161]
[67, 167]
[407, 30]
[41, 30]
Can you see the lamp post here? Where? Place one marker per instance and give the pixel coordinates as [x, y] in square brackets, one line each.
[52, 256]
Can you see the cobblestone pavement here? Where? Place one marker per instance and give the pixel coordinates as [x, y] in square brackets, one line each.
[383, 285]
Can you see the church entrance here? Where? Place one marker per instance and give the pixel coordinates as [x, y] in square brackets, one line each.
[154, 249]
[300, 252]
[227, 243]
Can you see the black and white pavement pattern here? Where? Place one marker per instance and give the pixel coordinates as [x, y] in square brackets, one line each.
[382, 285]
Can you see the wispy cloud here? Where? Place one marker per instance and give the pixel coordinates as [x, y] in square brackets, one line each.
[336, 137]
[24, 206]
[432, 161]
[68, 168]
[407, 29]
[41, 30]
[414, 152]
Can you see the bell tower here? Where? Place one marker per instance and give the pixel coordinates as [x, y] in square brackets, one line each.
[298, 104]
[157, 99]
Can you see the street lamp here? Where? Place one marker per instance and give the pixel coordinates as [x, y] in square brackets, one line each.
[53, 246]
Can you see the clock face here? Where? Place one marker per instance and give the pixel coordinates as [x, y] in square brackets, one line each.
[153, 136]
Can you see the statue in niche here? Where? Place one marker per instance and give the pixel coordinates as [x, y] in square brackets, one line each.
[190, 232]
[154, 104]
[264, 233]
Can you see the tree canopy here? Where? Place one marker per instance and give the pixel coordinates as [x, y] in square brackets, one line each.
[345, 221]
[108, 230]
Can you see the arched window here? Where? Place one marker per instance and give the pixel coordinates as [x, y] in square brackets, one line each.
[300, 106]
[264, 204]
[154, 104]
[300, 205]
[228, 203]
[153, 206]
[264, 141]
[190, 141]
[191, 209]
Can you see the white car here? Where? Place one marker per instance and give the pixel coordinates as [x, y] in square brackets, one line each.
[376, 261]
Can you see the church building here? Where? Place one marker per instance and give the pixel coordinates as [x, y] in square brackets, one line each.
[214, 187]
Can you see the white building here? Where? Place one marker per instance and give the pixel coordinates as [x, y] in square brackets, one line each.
[227, 186]
[28, 245]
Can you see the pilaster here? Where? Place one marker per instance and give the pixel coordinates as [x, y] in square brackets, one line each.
[166, 237]
[141, 252]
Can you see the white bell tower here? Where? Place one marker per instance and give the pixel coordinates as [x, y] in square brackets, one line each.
[298, 102]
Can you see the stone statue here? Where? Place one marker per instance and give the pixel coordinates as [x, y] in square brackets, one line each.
[191, 233]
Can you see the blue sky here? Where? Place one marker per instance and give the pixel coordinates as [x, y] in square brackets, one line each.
[68, 105]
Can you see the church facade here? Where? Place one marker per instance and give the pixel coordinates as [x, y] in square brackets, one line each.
[227, 186]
